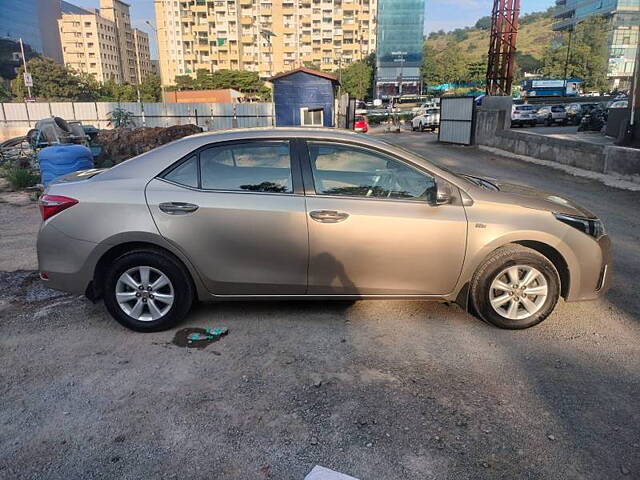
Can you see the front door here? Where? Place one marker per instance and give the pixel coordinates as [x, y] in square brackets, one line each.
[374, 228]
[233, 211]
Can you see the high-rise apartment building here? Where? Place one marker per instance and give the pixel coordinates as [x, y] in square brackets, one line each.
[102, 43]
[624, 23]
[264, 36]
[399, 49]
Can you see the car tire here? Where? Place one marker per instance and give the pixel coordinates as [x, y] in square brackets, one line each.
[422, 127]
[178, 293]
[534, 302]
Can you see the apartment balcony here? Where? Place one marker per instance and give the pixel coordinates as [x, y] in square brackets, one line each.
[305, 38]
[246, 3]
[203, 27]
[203, 65]
[190, 56]
[199, 8]
[248, 39]
[202, 47]
[246, 20]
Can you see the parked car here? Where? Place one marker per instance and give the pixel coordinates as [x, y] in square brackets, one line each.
[551, 115]
[620, 104]
[523, 115]
[295, 213]
[360, 124]
[575, 111]
[429, 119]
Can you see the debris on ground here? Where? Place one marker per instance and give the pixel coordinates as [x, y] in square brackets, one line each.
[120, 144]
[322, 473]
[198, 337]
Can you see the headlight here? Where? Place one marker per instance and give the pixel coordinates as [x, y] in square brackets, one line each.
[590, 226]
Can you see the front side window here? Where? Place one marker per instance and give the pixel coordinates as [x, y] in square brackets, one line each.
[249, 167]
[356, 172]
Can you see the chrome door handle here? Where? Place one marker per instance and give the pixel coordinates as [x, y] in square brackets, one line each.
[177, 208]
[328, 216]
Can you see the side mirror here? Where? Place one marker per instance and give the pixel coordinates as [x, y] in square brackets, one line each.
[444, 194]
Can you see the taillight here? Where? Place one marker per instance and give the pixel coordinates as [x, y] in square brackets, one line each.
[51, 205]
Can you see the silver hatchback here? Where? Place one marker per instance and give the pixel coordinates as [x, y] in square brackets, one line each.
[311, 214]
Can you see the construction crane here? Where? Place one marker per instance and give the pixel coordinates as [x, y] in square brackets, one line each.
[502, 46]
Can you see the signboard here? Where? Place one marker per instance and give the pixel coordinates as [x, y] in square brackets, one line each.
[547, 83]
[28, 80]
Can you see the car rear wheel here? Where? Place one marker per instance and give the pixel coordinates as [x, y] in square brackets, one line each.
[515, 288]
[147, 291]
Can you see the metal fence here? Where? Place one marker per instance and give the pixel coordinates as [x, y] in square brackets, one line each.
[456, 120]
[210, 116]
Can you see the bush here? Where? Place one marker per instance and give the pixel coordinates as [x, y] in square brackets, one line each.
[20, 178]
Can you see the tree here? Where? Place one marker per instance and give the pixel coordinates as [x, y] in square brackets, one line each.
[357, 79]
[483, 23]
[5, 93]
[429, 69]
[185, 82]
[451, 65]
[477, 72]
[588, 54]
[53, 82]
[150, 89]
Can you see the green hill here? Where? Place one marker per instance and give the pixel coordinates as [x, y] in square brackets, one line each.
[461, 55]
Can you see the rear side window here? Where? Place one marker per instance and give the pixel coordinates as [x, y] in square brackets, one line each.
[250, 167]
[524, 108]
[186, 173]
[557, 109]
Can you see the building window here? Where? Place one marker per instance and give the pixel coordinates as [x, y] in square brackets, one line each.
[311, 117]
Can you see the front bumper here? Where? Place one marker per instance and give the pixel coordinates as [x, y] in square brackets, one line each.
[596, 272]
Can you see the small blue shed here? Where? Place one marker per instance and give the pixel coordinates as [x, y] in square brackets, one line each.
[304, 97]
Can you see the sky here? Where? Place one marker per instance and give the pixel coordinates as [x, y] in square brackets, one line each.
[439, 14]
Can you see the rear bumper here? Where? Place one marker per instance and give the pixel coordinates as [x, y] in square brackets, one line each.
[65, 261]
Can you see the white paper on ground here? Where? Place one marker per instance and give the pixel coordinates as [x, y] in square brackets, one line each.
[322, 473]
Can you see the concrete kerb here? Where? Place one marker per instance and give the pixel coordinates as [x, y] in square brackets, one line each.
[615, 166]
[631, 183]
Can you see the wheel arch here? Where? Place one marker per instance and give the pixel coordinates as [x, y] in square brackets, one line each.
[556, 258]
[552, 254]
[95, 287]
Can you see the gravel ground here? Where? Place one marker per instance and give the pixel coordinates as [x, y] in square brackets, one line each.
[377, 390]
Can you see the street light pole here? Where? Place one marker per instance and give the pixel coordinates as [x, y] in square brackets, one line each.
[566, 62]
[24, 63]
[158, 44]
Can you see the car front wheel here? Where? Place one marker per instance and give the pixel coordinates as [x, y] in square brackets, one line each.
[147, 291]
[515, 288]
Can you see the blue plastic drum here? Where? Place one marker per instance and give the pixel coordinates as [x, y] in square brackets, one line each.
[58, 160]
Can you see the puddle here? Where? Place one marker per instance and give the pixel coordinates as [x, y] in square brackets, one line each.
[198, 337]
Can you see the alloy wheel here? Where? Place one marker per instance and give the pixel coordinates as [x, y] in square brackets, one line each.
[518, 292]
[144, 293]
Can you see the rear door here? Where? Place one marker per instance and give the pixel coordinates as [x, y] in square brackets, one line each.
[374, 228]
[237, 211]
